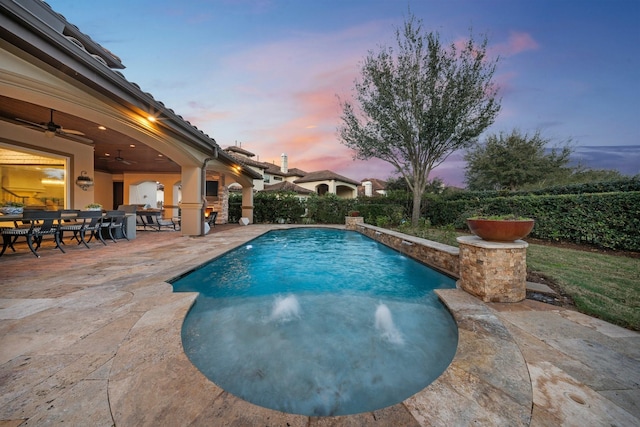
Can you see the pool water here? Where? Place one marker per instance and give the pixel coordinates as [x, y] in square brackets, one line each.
[318, 322]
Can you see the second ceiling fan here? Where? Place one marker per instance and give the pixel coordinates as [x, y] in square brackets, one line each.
[118, 158]
[52, 129]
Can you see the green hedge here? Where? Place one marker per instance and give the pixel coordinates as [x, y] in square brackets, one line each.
[328, 209]
[609, 220]
[387, 210]
[624, 185]
[606, 220]
[277, 207]
[235, 207]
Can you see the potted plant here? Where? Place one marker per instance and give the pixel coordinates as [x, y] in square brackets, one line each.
[9, 208]
[94, 207]
[354, 213]
[500, 228]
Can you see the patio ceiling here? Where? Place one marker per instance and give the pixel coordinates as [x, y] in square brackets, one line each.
[137, 157]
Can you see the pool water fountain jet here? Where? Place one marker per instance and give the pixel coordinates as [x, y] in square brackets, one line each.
[384, 323]
[285, 309]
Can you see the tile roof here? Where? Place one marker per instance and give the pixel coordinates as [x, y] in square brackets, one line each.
[325, 175]
[273, 169]
[239, 150]
[376, 184]
[287, 186]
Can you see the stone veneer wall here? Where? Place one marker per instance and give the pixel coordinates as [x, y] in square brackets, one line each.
[437, 255]
[493, 271]
[351, 222]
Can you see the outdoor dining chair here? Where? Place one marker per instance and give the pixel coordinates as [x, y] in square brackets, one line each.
[35, 225]
[86, 221]
[113, 222]
[212, 219]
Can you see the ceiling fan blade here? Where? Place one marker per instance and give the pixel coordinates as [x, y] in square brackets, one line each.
[77, 138]
[38, 125]
[124, 162]
[71, 131]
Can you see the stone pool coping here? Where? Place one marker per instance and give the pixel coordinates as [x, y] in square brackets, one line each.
[487, 363]
[92, 337]
[487, 381]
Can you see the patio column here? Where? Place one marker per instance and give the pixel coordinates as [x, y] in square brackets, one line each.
[191, 217]
[333, 189]
[247, 203]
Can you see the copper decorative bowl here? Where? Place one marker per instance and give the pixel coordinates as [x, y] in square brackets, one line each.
[500, 230]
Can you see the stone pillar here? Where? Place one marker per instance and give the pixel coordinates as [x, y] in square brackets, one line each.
[352, 221]
[493, 271]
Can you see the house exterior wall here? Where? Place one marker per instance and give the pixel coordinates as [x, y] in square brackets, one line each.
[103, 189]
[346, 191]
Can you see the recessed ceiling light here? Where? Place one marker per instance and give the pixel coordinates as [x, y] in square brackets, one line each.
[102, 127]
[159, 155]
[132, 145]
[107, 154]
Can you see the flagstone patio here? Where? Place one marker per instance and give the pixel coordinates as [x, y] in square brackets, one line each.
[92, 337]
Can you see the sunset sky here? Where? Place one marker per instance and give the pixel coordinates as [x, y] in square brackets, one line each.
[267, 74]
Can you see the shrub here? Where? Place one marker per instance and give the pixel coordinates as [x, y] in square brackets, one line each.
[329, 208]
[383, 221]
[273, 207]
[607, 220]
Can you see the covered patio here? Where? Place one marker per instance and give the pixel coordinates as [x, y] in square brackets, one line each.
[66, 103]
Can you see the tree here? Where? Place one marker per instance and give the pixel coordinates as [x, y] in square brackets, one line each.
[514, 161]
[434, 186]
[417, 106]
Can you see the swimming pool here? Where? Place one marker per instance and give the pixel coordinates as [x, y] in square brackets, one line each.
[318, 322]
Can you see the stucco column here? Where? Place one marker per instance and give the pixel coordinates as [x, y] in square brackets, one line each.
[493, 271]
[191, 223]
[247, 203]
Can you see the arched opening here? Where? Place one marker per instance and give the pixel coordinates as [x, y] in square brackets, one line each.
[345, 191]
[322, 189]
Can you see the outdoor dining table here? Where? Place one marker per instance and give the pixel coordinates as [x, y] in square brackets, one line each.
[35, 224]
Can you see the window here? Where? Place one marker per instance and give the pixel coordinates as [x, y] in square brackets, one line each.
[212, 189]
[38, 180]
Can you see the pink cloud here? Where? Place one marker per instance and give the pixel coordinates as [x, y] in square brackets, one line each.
[517, 42]
[504, 81]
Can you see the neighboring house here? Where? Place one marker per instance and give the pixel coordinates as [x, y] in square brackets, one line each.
[326, 181]
[66, 111]
[372, 187]
[270, 173]
[287, 186]
[319, 182]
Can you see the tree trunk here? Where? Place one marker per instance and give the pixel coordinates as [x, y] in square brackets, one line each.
[417, 202]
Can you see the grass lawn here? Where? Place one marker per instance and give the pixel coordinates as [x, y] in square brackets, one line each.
[601, 285]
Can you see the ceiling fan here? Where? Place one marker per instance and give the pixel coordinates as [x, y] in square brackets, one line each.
[52, 129]
[118, 158]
